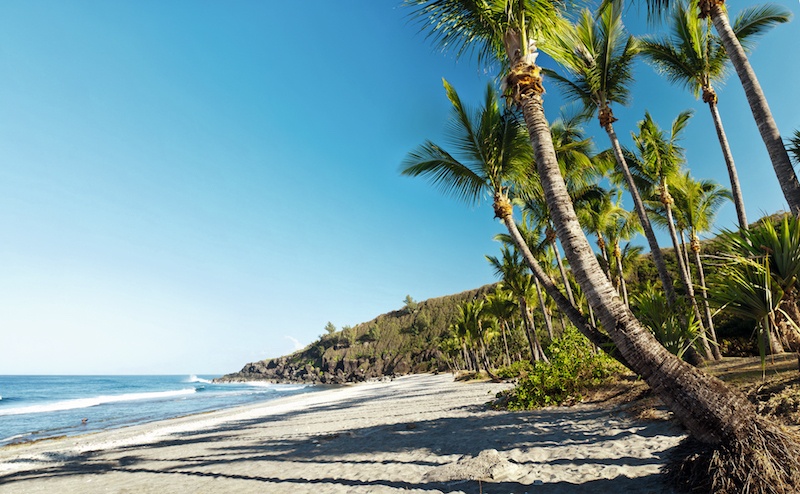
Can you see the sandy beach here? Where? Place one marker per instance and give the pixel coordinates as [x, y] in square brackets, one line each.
[423, 434]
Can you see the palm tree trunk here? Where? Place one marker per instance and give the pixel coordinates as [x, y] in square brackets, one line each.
[760, 109]
[736, 188]
[563, 271]
[507, 356]
[574, 315]
[684, 272]
[485, 358]
[685, 253]
[618, 256]
[548, 321]
[529, 334]
[710, 410]
[655, 251]
[702, 278]
[601, 244]
[529, 318]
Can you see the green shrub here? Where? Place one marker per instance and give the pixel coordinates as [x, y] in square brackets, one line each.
[520, 368]
[573, 368]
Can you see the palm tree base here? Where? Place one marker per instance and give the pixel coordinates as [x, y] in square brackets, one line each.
[765, 459]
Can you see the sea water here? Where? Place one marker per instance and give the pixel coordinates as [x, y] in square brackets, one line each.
[37, 407]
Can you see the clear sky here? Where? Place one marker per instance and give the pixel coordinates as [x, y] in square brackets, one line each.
[188, 186]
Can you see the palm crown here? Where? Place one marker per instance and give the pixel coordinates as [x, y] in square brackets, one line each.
[598, 54]
[492, 151]
[691, 56]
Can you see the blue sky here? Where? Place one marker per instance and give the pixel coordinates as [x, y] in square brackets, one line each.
[188, 186]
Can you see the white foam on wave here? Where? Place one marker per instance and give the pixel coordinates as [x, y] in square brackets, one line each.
[194, 379]
[273, 386]
[91, 402]
[290, 388]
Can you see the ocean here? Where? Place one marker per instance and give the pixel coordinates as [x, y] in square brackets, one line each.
[37, 407]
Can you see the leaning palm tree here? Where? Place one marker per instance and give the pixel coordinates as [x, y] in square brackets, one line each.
[494, 153]
[695, 59]
[573, 152]
[659, 160]
[754, 452]
[598, 55]
[698, 203]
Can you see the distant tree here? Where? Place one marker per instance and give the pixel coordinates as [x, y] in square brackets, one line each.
[330, 328]
[411, 304]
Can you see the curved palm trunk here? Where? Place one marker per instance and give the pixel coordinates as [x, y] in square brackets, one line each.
[655, 251]
[710, 410]
[736, 188]
[760, 109]
[548, 321]
[702, 278]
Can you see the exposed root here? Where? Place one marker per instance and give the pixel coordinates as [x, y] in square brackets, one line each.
[765, 461]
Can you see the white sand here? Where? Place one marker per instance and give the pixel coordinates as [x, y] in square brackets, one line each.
[423, 434]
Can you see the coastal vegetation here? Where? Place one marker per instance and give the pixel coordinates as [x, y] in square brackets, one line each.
[565, 316]
[745, 452]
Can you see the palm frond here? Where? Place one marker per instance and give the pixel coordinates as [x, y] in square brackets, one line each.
[756, 20]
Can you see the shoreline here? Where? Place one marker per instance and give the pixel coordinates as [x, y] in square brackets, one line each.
[421, 433]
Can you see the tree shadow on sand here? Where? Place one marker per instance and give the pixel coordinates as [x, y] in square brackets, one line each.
[246, 450]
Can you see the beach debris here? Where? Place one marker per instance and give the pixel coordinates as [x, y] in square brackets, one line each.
[488, 465]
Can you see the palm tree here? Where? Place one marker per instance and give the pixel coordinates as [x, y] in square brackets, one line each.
[595, 219]
[693, 58]
[494, 154]
[712, 412]
[598, 55]
[513, 271]
[698, 203]
[573, 153]
[659, 161]
[533, 238]
[501, 306]
[715, 9]
[470, 325]
[621, 225]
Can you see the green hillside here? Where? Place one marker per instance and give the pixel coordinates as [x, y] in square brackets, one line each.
[407, 340]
